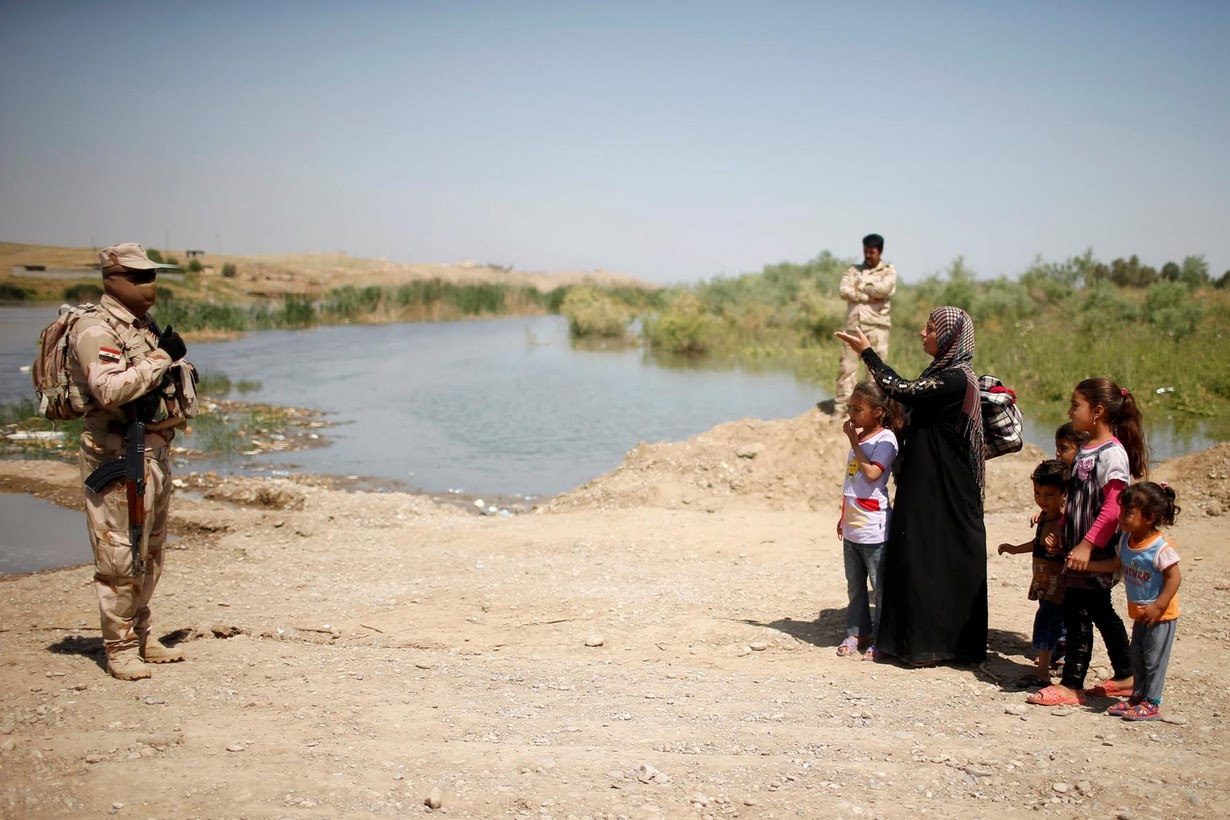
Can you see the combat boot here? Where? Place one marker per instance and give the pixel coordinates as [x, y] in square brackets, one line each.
[124, 663]
[155, 651]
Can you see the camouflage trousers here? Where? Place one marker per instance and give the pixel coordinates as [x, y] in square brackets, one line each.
[851, 366]
[123, 601]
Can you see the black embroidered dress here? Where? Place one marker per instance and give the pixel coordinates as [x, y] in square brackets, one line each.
[935, 563]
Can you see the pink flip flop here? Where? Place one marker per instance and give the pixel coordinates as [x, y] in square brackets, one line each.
[1052, 696]
[1108, 689]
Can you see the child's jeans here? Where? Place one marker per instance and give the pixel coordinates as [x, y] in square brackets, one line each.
[1150, 656]
[863, 564]
[1048, 626]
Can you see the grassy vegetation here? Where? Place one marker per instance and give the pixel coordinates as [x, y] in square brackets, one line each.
[1032, 328]
[427, 300]
[594, 313]
[83, 292]
[13, 293]
[216, 433]
[1041, 331]
[217, 430]
[18, 411]
[787, 311]
[219, 385]
[22, 416]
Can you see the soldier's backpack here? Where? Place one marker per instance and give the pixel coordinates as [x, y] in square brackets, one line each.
[1002, 425]
[59, 396]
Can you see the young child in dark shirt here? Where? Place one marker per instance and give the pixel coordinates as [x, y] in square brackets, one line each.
[1050, 480]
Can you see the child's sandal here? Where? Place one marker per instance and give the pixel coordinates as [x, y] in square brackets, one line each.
[1145, 710]
[1121, 708]
[848, 647]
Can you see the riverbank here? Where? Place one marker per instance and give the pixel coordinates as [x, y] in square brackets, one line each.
[295, 274]
[657, 643]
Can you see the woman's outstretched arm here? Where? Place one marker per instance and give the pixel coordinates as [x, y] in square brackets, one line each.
[903, 390]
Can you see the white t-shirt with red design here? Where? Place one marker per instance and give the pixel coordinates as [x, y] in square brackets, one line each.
[864, 503]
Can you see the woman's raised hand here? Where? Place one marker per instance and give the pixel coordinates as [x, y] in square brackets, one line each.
[857, 340]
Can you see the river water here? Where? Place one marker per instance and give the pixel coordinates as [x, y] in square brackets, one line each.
[502, 407]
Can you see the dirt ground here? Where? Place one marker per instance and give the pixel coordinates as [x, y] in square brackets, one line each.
[657, 643]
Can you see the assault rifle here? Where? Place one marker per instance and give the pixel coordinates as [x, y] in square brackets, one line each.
[131, 468]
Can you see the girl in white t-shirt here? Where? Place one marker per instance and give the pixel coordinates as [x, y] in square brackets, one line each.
[865, 509]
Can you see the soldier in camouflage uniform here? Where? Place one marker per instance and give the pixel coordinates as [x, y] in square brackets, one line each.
[867, 288]
[122, 363]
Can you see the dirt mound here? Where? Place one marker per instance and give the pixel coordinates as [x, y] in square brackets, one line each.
[787, 463]
[1202, 479]
[267, 494]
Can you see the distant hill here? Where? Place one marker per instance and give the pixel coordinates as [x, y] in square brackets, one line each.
[308, 274]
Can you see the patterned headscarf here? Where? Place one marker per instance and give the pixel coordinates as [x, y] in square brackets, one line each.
[954, 334]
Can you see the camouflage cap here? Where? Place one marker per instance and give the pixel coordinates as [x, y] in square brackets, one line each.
[130, 255]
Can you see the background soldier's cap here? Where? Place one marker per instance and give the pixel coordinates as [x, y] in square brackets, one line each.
[130, 255]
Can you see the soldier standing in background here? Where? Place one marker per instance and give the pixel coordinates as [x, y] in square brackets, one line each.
[126, 366]
[867, 289]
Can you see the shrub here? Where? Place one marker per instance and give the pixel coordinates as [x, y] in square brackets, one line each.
[555, 299]
[297, 311]
[820, 314]
[1002, 299]
[228, 270]
[959, 291]
[475, 300]
[1130, 273]
[86, 292]
[187, 315]
[1050, 283]
[592, 312]
[195, 266]
[1170, 307]
[11, 292]
[1194, 272]
[683, 327]
[349, 302]
[1103, 308]
[154, 255]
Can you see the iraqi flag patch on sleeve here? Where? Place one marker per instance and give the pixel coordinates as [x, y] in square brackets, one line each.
[108, 355]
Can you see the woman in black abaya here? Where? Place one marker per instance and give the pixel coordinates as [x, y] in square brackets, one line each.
[935, 563]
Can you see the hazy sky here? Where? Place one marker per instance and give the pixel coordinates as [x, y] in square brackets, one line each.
[671, 141]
